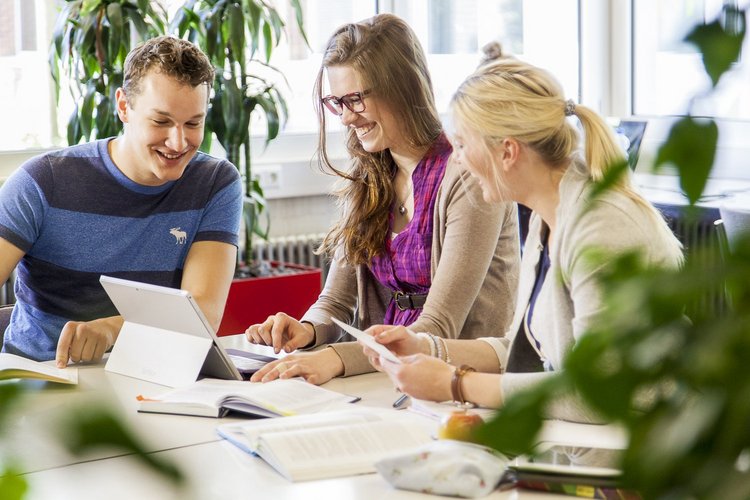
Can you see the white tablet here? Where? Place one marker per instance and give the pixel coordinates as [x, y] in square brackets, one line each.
[166, 338]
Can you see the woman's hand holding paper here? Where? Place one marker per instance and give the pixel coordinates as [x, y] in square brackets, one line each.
[398, 339]
[420, 376]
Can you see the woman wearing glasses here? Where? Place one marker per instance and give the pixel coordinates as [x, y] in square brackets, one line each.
[416, 245]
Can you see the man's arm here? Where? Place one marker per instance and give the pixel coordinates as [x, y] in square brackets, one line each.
[209, 268]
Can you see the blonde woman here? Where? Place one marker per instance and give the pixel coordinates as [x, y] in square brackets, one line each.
[515, 132]
[415, 245]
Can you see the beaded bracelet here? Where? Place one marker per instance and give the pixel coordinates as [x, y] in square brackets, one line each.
[458, 374]
[446, 357]
[430, 342]
[439, 347]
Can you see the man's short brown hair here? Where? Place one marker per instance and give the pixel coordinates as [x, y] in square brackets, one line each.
[171, 56]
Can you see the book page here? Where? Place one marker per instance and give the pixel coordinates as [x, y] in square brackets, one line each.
[246, 434]
[279, 397]
[12, 366]
[437, 411]
[292, 396]
[340, 450]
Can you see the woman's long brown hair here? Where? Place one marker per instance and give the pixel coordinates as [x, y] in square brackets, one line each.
[389, 60]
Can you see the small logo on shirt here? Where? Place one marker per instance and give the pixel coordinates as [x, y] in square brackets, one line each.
[179, 235]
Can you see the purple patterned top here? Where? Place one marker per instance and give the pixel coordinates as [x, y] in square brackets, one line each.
[406, 263]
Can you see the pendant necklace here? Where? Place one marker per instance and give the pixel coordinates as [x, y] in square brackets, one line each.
[402, 205]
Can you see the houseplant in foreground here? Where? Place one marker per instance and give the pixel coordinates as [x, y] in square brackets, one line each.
[693, 441]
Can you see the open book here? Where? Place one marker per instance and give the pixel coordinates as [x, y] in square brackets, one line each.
[214, 398]
[12, 366]
[330, 444]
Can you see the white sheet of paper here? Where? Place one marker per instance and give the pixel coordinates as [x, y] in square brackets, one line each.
[368, 341]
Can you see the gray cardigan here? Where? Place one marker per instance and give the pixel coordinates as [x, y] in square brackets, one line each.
[570, 297]
[475, 262]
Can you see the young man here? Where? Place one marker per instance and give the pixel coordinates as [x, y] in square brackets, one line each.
[145, 206]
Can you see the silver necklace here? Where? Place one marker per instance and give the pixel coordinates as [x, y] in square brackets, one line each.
[402, 205]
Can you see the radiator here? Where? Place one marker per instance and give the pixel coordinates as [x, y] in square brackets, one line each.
[299, 249]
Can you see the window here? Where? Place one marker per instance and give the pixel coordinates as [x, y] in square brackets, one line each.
[452, 33]
[26, 99]
[544, 32]
[668, 72]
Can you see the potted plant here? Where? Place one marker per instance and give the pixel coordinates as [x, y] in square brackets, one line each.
[234, 35]
[693, 441]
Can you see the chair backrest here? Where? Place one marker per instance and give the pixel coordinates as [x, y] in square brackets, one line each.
[5, 312]
[736, 222]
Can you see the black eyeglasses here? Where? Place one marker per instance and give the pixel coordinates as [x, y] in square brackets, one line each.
[355, 102]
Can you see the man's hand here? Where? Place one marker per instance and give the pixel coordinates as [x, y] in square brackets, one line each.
[87, 341]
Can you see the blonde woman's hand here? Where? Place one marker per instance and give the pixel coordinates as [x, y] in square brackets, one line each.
[317, 367]
[399, 340]
[421, 376]
[282, 332]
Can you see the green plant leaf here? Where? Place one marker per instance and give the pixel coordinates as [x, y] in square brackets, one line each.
[691, 147]
[10, 393]
[103, 117]
[278, 25]
[74, 127]
[89, 6]
[87, 110]
[253, 24]
[613, 175]
[299, 14]
[54, 66]
[114, 15]
[720, 42]
[231, 104]
[215, 120]
[515, 426]
[212, 33]
[13, 486]
[237, 34]
[86, 430]
[268, 41]
[140, 25]
[272, 117]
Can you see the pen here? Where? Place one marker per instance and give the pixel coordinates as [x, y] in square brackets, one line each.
[401, 401]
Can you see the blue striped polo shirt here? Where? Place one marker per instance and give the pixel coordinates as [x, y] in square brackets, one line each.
[77, 216]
